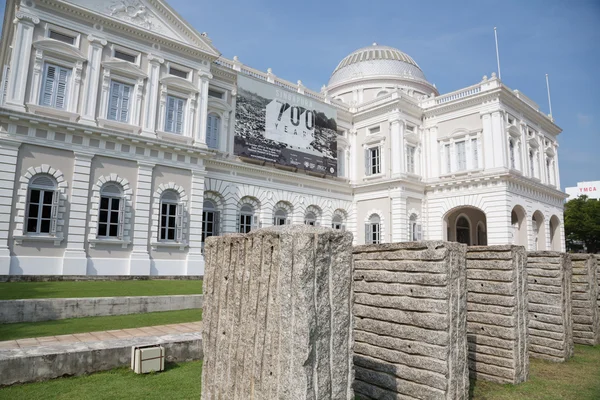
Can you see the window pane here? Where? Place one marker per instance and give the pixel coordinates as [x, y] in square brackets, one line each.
[171, 222]
[33, 210]
[46, 211]
[32, 225]
[104, 203]
[164, 208]
[163, 220]
[48, 197]
[34, 196]
[115, 204]
[172, 209]
[114, 217]
[45, 226]
[102, 230]
[162, 233]
[171, 234]
[113, 230]
[104, 216]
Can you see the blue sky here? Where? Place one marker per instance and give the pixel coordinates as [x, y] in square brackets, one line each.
[453, 43]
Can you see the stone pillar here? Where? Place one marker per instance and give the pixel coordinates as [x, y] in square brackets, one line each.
[500, 141]
[139, 263]
[410, 321]
[75, 258]
[396, 144]
[19, 62]
[9, 152]
[584, 294]
[195, 259]
[202, 115]
[92, 78]
[488, 141]
[497, 313]
[277, 315]
[151, 97]
[549, 277]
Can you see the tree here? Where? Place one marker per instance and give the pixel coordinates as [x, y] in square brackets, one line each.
[582, 224]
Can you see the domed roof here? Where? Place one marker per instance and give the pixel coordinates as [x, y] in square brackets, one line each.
[376, 61]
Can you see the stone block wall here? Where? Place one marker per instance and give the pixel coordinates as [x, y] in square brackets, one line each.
[549, 277]
[277, 315]
[497, 313]
[585, 296]
[410, 321]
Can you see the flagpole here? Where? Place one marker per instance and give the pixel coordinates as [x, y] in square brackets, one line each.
[549, 101]
[497, 54]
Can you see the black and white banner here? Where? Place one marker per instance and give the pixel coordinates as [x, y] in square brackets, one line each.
[285, 128]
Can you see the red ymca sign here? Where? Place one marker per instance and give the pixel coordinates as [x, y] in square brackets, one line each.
[587, 189]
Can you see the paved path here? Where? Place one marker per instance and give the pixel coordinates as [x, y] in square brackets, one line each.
[158, 330]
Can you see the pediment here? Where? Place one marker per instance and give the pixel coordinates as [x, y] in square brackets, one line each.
[56, 47]
[218, 104]
[155, 16]
[180, 83]
[514, 131]
[125, 68]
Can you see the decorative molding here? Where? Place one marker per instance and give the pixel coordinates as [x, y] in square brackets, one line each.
[95, 205]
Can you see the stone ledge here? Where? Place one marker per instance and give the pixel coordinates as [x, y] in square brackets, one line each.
[47, 362]
[54, 278]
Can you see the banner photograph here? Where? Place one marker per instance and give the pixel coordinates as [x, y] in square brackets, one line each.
[285, 128]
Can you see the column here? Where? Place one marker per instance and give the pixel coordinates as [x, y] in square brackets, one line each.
[92, 77]
[200, 136]
[75, 258]
[19, 63]
[151, 104]
[488, 141]
[500, 140]
[9, 152]
[140, 257]
[195, 259]
[556, 170]
[231, 132]
[396, 143]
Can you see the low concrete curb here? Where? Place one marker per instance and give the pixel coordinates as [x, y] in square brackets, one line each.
[35, 310]
[47, 362]
[56, 278]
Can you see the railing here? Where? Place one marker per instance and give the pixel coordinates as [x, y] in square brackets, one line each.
[458, 94]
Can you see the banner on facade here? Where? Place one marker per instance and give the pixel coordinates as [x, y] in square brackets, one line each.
[286, 128]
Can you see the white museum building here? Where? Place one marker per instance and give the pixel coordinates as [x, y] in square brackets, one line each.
[120, 127]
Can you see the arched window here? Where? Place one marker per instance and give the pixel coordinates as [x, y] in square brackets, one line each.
[481, 234]
[414, 228]
[111, 217]
[213, 127]
[280, 218]
[42, 205]
[247, 218]
[171, 217]
[337, 222]
[463, 231]
[210, 220]
[310, 218]
[373, 230]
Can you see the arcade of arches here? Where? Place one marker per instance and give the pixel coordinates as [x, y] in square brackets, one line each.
[467, 225]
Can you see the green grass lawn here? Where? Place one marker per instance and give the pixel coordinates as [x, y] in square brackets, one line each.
[41, 290]
[92, 324]
[578, 379]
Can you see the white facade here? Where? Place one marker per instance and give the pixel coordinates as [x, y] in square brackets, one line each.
[116, 142]
[590, 189]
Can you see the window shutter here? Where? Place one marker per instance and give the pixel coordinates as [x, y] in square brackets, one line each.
[216, 223]
[317, 223]
[121, 230]
[255, 223]
[5, 84]
[343, 227]
[179, 116]
[209, 125]
[367, 163]
[169, 120]
[61, 88]
[54, 212]
[288, 220]
[179, 223]
[419, 232]
[368, 239]
[126, 94]
[113, 103]
[48, 85]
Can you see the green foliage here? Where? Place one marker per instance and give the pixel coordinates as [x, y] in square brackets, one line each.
[582, 224]
[61, 289]
[93, 324]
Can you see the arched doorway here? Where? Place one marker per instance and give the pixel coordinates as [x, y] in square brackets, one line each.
[538, 229]
[519, 228]
[555, 239]
[466, 225]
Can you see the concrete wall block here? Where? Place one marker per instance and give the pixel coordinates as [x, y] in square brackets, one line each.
[584, 295]
[549, 277]
[277, 318]
[410, 320]
[497, 316]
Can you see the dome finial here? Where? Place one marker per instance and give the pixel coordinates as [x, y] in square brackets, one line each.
[374, 43]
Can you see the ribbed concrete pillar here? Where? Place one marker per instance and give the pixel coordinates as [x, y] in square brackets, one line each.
[586, 329]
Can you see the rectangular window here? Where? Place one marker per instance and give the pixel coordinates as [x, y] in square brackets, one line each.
[119, 101]
[341, 163]
[410, 159]
[178, 72]
[375, 129]
[168, 221]
[410, 129]
[511, 151]
[121, 55]
[531, 164]
[475, 151]
[372, 233]
[109, 217]
[61, 37]
[55, 86]
[448, 158]
[461, 159]
[40, 210]
[372, 161]
[215, 93]
[210, 224]
[245, 223]
[174, 117]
